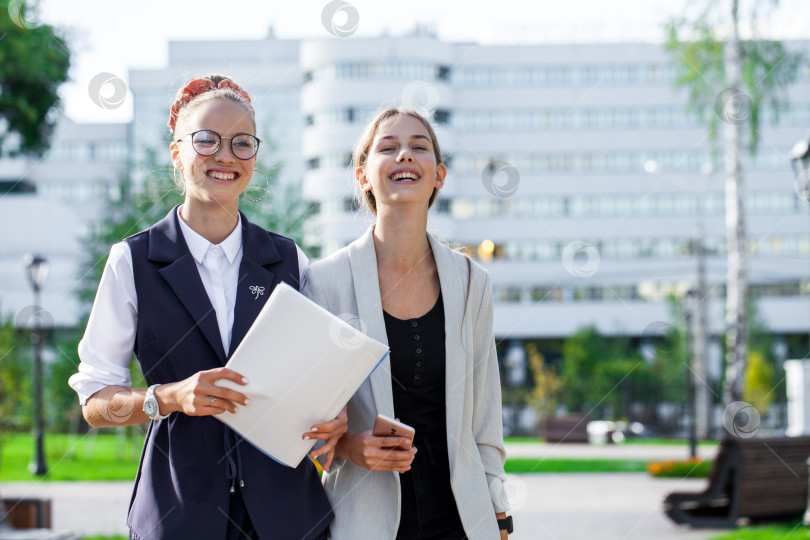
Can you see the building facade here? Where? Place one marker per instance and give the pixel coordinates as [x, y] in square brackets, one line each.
[574, 173]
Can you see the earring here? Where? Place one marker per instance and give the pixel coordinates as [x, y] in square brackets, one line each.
[266, 187]
[179, 187]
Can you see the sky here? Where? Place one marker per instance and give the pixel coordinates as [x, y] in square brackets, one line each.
[113, 36]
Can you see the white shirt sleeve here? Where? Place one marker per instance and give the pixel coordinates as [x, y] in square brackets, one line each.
[303, 262]
[109, 339]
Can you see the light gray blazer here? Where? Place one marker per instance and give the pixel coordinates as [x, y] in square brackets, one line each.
[367, 503]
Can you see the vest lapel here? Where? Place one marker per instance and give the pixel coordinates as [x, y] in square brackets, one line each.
[363, 260]
[255, 281]
[166, 244]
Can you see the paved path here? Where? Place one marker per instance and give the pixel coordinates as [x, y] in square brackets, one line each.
[571, 506]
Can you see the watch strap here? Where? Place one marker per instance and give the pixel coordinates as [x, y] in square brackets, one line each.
[506, 524]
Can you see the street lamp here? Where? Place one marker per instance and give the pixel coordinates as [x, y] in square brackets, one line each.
[37, 270]
[800, 160]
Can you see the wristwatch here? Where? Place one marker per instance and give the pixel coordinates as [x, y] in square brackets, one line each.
[150, 405]
[506, 524]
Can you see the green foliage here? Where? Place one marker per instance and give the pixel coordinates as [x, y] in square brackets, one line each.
[547, 384]
[696, 50]
[34, 62]
[603, 375]
[760, 377]
[15, 381]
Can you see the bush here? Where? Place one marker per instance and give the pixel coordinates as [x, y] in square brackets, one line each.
[683, 468]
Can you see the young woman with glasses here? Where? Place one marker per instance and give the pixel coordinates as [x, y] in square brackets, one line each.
[433, 306]
[178, 295]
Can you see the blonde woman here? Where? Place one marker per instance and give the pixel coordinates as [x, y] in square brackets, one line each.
[433, 306]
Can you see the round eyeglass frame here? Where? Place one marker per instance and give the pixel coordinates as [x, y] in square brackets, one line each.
[219, 143]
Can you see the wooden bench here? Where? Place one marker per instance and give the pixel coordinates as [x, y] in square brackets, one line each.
[566, 429]
[28, 519]
[752, 479]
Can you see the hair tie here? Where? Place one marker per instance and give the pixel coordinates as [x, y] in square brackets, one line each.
[194, 88]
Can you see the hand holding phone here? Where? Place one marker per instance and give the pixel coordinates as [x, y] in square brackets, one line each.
[385, 426]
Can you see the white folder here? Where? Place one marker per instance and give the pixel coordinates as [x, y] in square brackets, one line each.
[303, 364]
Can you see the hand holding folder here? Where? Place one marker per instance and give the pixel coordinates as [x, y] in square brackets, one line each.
[303, 364]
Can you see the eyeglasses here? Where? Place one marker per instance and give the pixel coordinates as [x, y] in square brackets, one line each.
[206, 143]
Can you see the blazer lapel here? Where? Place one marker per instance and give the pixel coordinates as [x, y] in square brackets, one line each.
[166, 244]
[363, 260]
[454, 278]
[255, 281]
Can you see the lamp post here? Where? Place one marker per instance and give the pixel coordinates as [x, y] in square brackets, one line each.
[692, 302]
[800, 160]
[37, 270]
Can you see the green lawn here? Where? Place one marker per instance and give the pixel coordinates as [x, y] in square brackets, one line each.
[778, 531]
[108, 455]
[667, 442]
[547, 465]
[100, 455]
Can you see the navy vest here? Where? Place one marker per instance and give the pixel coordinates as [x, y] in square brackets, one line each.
[182, 489]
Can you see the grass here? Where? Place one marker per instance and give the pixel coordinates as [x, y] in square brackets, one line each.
[108, 455]
[772, 531]
[657, 441]
[547, 465]
[97, 456]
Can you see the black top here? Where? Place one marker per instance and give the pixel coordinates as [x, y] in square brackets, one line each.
[418, 383]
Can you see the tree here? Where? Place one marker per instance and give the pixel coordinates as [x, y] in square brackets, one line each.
[35, 61]
[730, 79]
[602, 374]
[547, 384]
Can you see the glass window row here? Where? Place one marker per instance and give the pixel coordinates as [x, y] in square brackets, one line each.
[88, 151]
[393, 69]
[617, 161]
[645, 291]
[620, 205]
[631, 248]
[603, 118]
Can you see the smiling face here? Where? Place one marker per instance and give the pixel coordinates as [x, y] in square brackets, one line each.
[222, 177]
[401, 167]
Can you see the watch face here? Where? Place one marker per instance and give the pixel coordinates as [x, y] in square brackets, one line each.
[149, 407]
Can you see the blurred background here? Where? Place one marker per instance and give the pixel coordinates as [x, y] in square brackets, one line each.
[636, 192]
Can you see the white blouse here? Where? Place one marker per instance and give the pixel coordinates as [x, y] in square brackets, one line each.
[109, 339]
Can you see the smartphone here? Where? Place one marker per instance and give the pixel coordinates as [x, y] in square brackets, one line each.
[388, 427]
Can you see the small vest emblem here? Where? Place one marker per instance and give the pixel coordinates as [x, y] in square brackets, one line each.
[257, 290]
